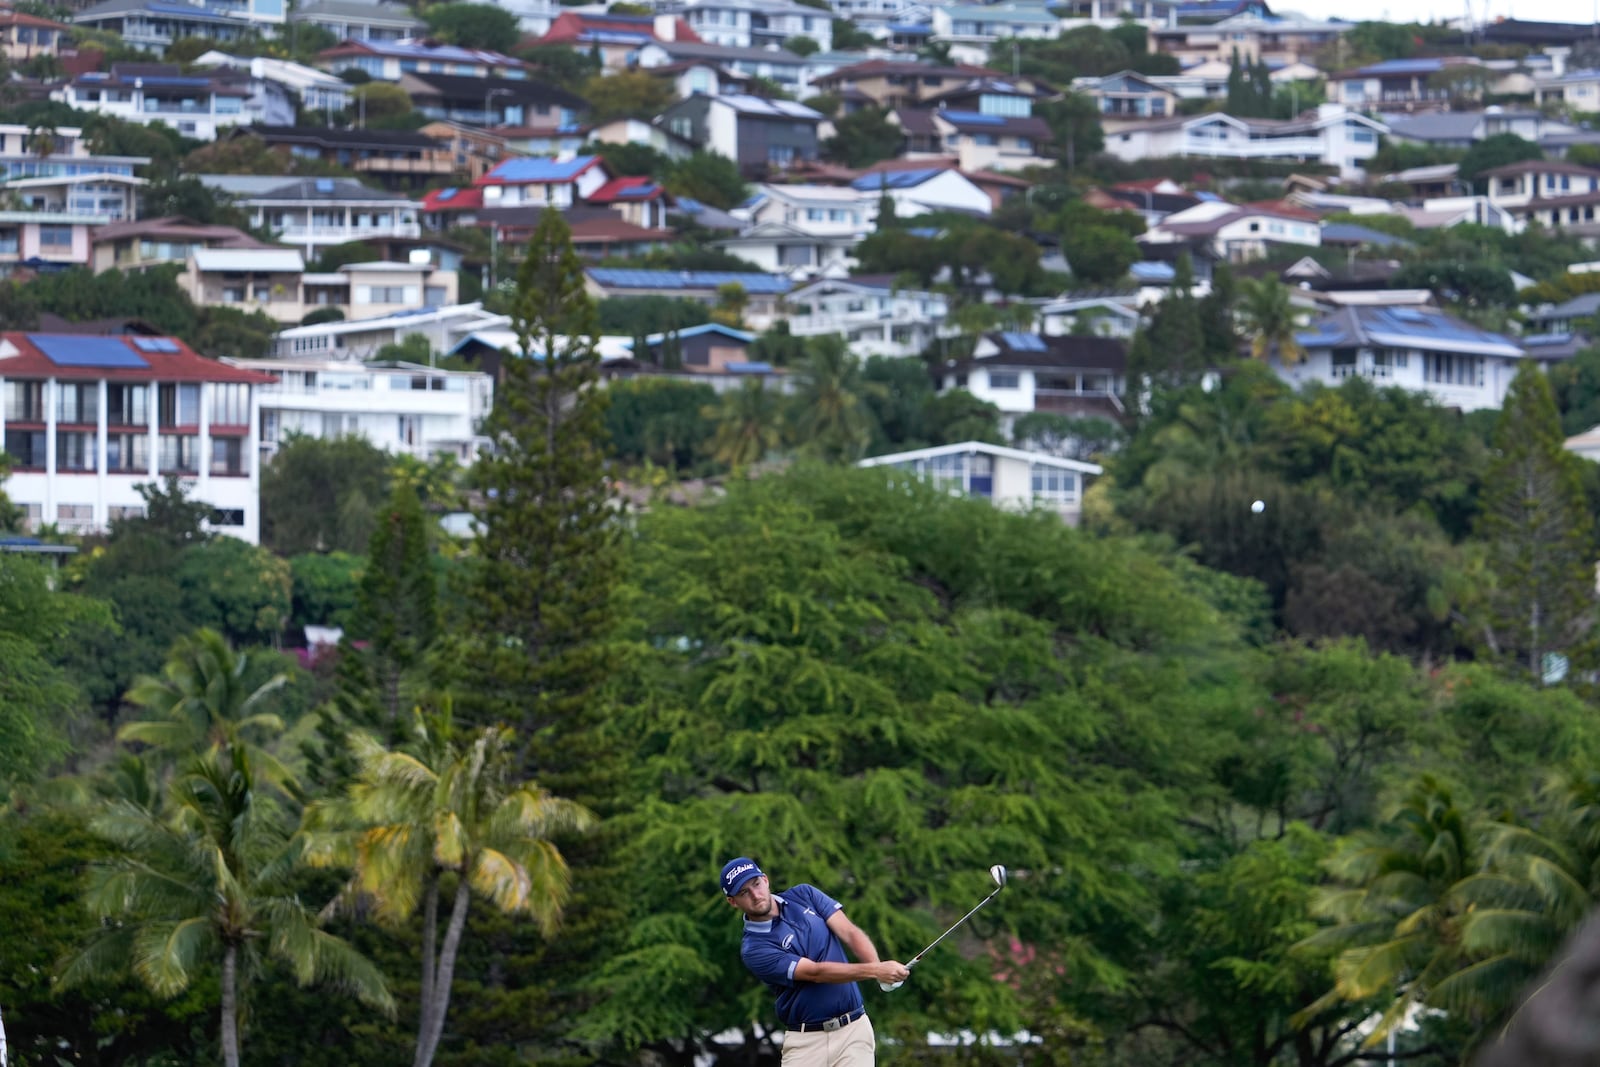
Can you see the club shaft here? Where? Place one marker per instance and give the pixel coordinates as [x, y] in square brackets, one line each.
[952, 929]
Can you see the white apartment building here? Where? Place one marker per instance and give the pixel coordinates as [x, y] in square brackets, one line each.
[817, 209]
[1335, 137]
[402, 408]
[874, 316]
[1006, 477]
[196, 106]
[756, 23]
[317, 213]
[86, 419]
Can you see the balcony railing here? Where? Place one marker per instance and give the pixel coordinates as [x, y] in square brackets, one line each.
[405, 166]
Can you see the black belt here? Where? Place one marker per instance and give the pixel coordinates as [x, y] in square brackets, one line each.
[832, 1024]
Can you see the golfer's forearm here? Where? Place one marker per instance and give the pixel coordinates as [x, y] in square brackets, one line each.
[833, 973]
[860, 946]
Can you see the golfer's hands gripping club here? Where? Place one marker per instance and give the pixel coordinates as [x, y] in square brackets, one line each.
[892, 975]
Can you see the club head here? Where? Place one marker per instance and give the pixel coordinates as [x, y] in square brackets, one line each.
[998, 873]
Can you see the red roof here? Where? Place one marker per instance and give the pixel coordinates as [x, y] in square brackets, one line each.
[458, 199]
[183, 364]
[573, 26]
[18, 18]
[643, 188]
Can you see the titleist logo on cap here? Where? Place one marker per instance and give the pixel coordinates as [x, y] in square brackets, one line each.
[737, 871]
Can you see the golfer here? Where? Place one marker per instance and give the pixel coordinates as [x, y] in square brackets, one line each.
[795, 942]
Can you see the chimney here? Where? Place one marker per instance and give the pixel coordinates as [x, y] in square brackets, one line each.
[666, 27]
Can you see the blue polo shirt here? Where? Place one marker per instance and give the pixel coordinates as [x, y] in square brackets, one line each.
[773, 948]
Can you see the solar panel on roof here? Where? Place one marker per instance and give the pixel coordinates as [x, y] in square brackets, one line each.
[154, 344]
[324, 185]
[1023, 342]
[446, 194]
[77, 351]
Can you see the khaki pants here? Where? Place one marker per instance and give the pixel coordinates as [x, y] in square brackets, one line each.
[848, 1046]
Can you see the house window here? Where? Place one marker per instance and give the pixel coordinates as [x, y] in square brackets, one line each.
[75, 451]
[180, 454]
[75, 514]
[410, 430]
[1344, 362]
[127, 405]
[76, 402]
[227, 457]
[180, 405]
[55, 237]
[120, 512]
[1054, 484]
[227, 517]
[984, 140]
[128, 453]
[230, 405]
[24, 401]
[1440, 368]
[1008, 380]
[26, 448]
[682, 127]
[780, 155]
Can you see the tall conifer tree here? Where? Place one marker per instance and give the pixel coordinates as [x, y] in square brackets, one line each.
[548, 558]
[1539, 535]
[397, 605]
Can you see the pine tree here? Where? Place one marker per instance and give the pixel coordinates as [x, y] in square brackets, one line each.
[548, 559]
[397, 611]
[1539, 535]
[1237, 104]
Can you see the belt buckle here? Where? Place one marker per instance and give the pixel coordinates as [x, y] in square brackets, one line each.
[834, 1023]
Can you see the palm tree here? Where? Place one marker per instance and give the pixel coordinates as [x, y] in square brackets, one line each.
[204, 883]
[441, 812]
[1399, 915]
[831, 418]
[1269, 320]
[749, 425]
[202, 699]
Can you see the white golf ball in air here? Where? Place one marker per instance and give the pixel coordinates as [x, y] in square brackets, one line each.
[1259, 506]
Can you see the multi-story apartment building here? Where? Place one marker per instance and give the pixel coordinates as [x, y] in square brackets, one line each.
[275, 281]
[386, 61]
[402, 408]
[1252, 37]
[756, 23]
[196, 105]
[1333, 136]
[60, 153]
[112, 195]
[316, 213]
[153, 25]
[984, 24]
[877, 318]
[395, 158]
[277, 86]
[85, 420]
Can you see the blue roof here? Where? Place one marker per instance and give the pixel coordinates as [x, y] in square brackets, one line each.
[695, 331]
[154, 344]
[973, 118]
[1023, 342]
[1423, 328]
[615, 36]
[418, 50]
[1153, 271]
[1403, 66]
[628, 278]
[747, 368]
[73, 350]
[539, 169]
[909, 27]
[896, 179]
[1348, 232]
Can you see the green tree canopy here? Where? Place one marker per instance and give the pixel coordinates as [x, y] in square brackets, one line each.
[474, 26]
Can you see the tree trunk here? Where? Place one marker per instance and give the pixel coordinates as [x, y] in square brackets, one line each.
[230, 1006]
[445, 973]
[430, 928]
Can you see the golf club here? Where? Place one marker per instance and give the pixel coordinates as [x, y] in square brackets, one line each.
[998, 874]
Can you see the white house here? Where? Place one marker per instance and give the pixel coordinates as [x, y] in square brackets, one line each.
[918, 190]
[316, 213]
[1517, 184]
[354, 340]
[196, 106]
[402, 408]
[983, 24]
[1417, 348]
[116, 196]
[86, 419]
[1006, 477]
[1021, 373]
[756, 23]
[314, 90]
[1333, 136]
[275, 281]
[874, 316]
[1102, 316]
[540, 181]
[816, 209]
[1233, 232]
